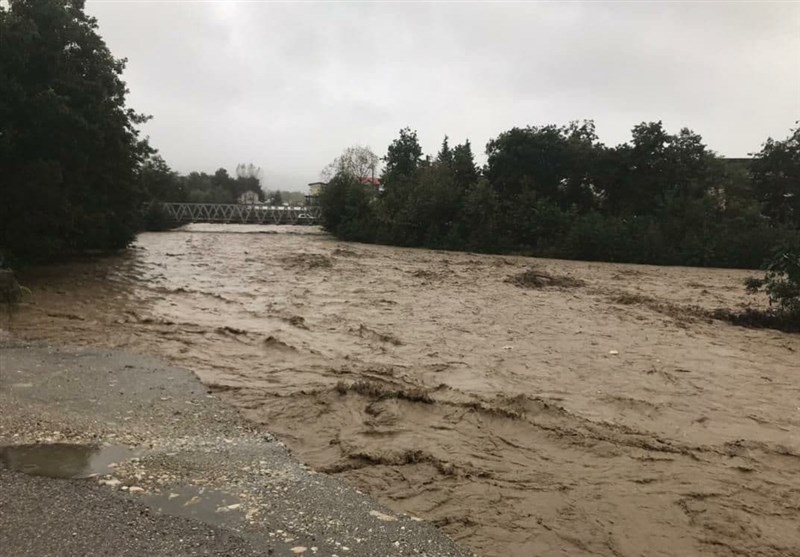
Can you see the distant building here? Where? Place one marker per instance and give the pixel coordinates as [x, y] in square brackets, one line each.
[249, 198]
[315, 188]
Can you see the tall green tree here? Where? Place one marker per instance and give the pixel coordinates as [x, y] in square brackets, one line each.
[69, 145]
[401, 172]
[403, 158]
[465, 172]
[445, 155]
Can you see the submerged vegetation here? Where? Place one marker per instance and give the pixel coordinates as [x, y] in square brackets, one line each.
[782, 284]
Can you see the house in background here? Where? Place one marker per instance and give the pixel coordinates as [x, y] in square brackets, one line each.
[314, 189]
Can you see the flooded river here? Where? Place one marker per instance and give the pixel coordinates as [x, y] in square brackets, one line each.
[579, 409]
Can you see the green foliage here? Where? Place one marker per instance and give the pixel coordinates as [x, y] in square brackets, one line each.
[403, 157]
[69, 147]
[556, 191]
[158, 182]
[348, 209]
[156, 218]
[782, 283]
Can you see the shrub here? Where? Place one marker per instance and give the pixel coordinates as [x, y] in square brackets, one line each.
[782, 283]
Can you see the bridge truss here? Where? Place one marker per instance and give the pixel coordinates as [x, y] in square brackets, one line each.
[240, 213]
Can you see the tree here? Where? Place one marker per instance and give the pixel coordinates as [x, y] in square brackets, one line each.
[69, 145]
[655, 171]
[158, 182]
[348, 208]
[776, 179]
[248, 171]
[526, 159]
[403, 158]
[782, 284]
[356, 161]
[445, 155]
[465, 172]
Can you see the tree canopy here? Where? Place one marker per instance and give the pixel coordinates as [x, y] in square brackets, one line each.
[70, 150]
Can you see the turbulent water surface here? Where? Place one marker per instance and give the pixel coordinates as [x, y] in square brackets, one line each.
[578, 409]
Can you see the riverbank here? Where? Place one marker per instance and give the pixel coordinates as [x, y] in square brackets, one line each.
[190, 477]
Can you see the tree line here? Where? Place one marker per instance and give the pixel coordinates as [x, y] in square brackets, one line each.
[160, 183]
[556, 191]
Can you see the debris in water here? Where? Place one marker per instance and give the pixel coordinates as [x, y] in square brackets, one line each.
[206, 505]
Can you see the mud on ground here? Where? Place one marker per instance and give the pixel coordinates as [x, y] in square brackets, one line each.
[525, 406]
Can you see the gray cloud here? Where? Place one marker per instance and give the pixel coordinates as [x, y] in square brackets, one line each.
[288, 86]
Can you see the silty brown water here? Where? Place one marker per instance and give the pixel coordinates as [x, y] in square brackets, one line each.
[600, 413]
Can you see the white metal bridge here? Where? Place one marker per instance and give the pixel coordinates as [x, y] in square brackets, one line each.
[240, 213]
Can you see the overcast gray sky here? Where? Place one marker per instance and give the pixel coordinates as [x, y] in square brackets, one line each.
[287, 86]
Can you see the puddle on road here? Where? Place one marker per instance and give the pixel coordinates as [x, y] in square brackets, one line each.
[210, 506]
[63, 460]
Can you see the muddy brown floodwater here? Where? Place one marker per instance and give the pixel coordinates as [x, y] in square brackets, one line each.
[578, 409]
